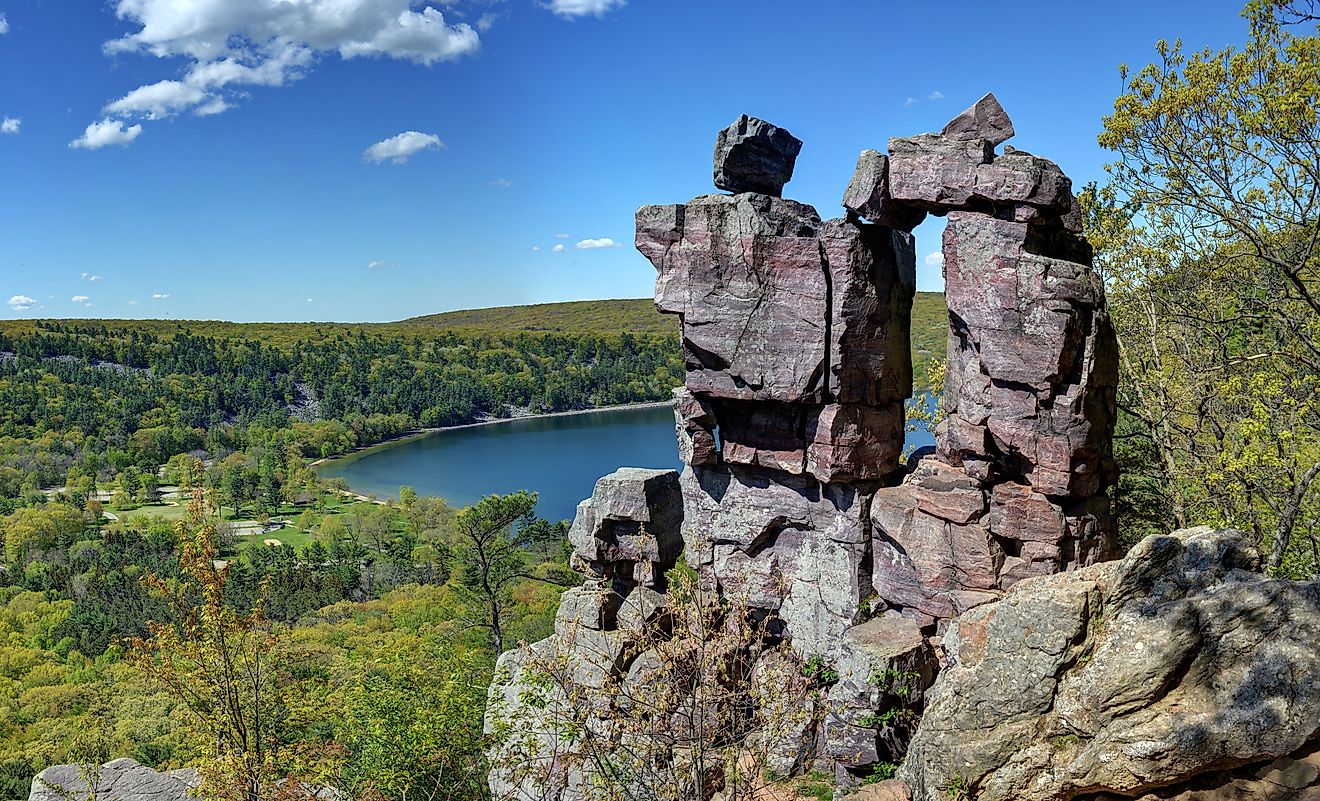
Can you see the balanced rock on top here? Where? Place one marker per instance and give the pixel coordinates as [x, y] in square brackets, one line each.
[752, 155]
[985, 119]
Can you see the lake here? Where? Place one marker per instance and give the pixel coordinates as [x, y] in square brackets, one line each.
[558, 457]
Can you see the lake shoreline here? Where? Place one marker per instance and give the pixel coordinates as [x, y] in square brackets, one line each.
[418, 433]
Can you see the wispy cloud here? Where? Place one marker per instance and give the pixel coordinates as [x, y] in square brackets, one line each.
[934, 259]
[22, 303]
[562, 236]
[909, 101]
[570, 9]
[558, 248]
[93, 277]
[595, 244]
[4, 24]
[501, 182]
[105, 133]
[401, 147]
[536, 248]
[157, 100]
[160, 296]
[379, 264]
[80, 298]
[935, 95]
[10, 125]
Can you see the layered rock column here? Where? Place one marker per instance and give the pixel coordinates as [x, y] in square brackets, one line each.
[795, 337]
[1017, 487]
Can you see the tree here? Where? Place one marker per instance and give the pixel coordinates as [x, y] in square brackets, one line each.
[148, 488]
[492, 552]
[1207, 238]
[220, 663]
[413, 723]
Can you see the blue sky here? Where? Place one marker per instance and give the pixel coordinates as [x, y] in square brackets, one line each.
[371, 160]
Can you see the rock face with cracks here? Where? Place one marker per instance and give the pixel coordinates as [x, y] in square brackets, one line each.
[1172, 673]
[1131, 677]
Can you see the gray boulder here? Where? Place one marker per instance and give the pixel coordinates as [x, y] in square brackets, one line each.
[752, 155]
[120, 780]
[627, 532]
[1124, 678]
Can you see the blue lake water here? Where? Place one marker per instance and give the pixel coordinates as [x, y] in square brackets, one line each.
[558, 457]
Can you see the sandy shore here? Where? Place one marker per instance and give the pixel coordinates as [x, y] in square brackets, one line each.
[494, 421]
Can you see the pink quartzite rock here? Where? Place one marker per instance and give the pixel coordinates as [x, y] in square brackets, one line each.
[783, 315]
[947, 492]
[752, 155]
[853, 443]
[745, 275]
[628, 532]
[694, 425]
[985, 119]
[872, 275]
[762, 433]
[1032, 369]
[867, 194]
[919, 560]
[931, 173]
[785, 543]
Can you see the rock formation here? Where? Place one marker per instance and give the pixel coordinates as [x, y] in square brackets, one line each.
[120, 780]
[1157, 676]
[794, 500]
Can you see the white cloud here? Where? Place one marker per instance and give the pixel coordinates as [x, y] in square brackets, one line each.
[10, 125]
[536, 248]
[309, 300]
[161, 296]
[935, 95]
[399, 148]
[157, 100]
[216, 105]
[594, 244]
[379, 264]
[561, 236]
[486, 21]
[132, 303]
[4, 24]
[22, 303]
[90, 277]
[80, 298]
[935, 259]
[106, 132]
[501, 182]
[582, 8]
[230, 44]
[558, 248]
[909, 101]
